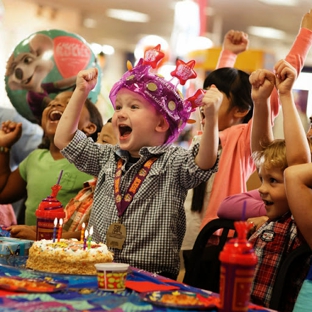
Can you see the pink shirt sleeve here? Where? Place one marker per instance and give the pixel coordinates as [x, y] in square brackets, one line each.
[232, 206]
[226, 59]
[7, 215]
[296, 57]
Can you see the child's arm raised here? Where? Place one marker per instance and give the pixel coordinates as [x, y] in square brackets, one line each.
[234, 43]
[68, 124]
[298, 184]
[262, 82]
[208, 149]
[297, 147]
[12, 186]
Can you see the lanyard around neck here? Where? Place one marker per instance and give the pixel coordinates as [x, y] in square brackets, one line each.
[122, 203]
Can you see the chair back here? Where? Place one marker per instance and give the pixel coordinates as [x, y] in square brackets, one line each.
[202, 264]
[294, 265]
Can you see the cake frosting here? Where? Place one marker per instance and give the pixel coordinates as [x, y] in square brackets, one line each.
[67, 256]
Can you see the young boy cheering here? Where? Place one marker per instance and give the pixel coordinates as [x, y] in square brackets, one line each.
[142, 182]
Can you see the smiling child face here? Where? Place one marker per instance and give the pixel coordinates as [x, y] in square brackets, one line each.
[137, 123]
[54, 111]
[272, 192]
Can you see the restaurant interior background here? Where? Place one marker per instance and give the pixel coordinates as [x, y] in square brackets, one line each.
[177, 25]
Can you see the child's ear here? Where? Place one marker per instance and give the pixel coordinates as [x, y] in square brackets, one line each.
[89, 129]
[163, 125]
[240, 113]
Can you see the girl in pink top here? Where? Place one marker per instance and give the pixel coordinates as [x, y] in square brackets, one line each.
[236, 165]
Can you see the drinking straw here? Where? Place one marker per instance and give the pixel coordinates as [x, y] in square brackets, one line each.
[244, 211]
[59, 178]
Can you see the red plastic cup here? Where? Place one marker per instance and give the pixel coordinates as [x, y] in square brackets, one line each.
[238, 262]
[49, 209]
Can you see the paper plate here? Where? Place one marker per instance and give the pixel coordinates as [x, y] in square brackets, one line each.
[15, 283]
[17, 268]
[180, 299]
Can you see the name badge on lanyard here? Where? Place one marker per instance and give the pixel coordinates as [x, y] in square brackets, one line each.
[116, 233]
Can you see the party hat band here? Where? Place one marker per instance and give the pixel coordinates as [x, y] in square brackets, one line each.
[162, 94]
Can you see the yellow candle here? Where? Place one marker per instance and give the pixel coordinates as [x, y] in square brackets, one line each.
[82, 232]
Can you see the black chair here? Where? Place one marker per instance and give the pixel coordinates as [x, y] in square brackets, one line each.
[295, 263]
[202, 264]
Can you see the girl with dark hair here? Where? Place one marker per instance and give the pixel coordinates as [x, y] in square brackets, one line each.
[38, 172]
[235, 123]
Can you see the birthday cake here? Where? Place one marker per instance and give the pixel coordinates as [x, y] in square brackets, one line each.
[67, 256]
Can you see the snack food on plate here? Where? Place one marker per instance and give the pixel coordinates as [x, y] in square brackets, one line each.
[67, 256]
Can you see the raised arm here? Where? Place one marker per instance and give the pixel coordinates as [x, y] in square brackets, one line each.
[68, 124]
[232, 206]
[262, 82]
[297, 147]
[234, 43]
[12, 186]
[208, 149]
[298, 184]
[302, 44]
[296, 55]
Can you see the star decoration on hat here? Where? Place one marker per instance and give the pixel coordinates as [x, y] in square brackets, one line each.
[197, 98]
[153, 56]
[184, 71]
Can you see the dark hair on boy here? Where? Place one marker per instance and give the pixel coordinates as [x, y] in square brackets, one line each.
[95, 117]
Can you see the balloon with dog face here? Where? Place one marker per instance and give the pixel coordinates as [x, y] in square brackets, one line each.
[43, 65]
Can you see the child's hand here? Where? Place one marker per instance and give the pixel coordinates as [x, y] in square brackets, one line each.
[87, 79]
[262, 82]
[257, 222]
[10, 133]
[211, 101]
[306, 21]
[22, 231]
[285, 76]
[235, 41]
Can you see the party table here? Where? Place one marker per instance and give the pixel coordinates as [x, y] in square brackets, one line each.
[82, 293]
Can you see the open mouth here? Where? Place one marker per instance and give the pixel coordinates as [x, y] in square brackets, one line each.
[124, 131]
[27, 81]
[55, 115]
[202, 115]
[268, 203]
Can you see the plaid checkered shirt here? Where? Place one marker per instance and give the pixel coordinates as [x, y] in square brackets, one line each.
[272, 243]
[155, 218]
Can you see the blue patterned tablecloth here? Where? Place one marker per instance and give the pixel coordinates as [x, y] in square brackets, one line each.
[82, 294]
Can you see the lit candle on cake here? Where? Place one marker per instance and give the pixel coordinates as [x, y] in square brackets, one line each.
[90, 237]
[85, 240]
[54, 230]
[82, 232]
[59, 233]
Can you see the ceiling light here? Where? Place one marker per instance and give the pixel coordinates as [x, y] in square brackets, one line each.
[280, 2]
[89, 23]
[149, 41]
[96, 48]
[199, 43]
[128, 15]
[266, 32]
[106, 49]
